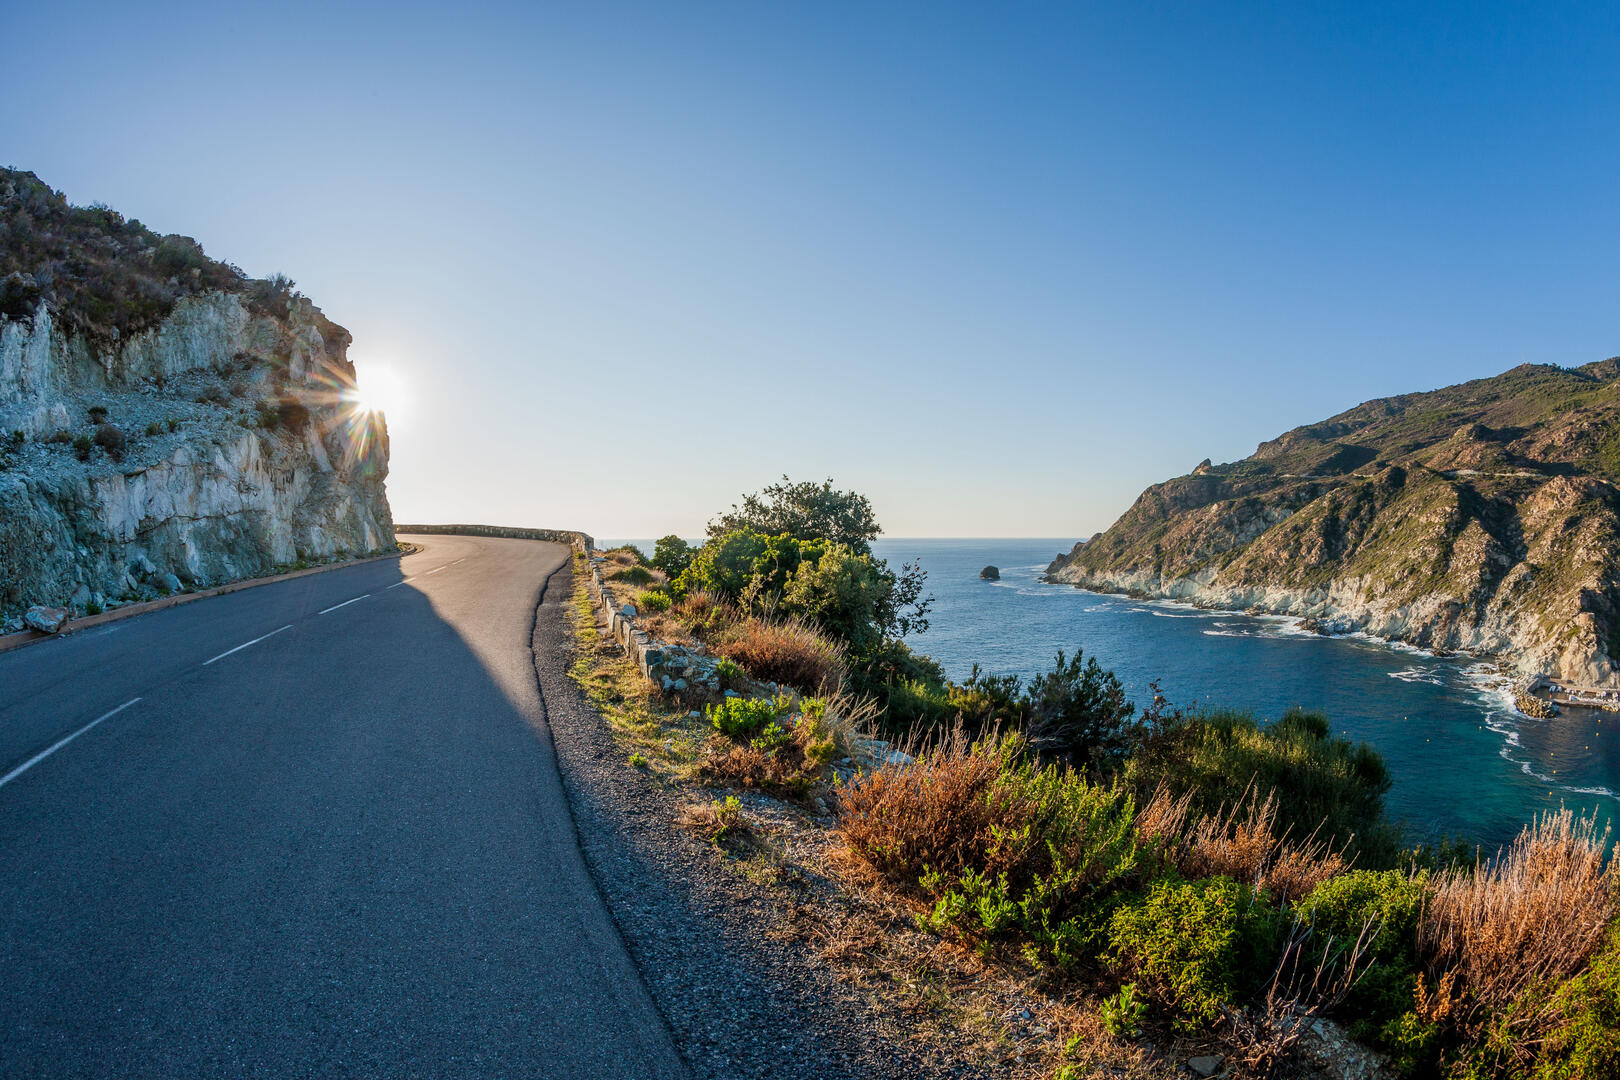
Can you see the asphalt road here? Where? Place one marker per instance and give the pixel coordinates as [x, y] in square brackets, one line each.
[317, 831]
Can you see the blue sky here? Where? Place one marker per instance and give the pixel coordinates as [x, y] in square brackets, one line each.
[1000, 267]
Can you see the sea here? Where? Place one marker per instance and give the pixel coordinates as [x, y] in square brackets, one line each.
[1463, 763]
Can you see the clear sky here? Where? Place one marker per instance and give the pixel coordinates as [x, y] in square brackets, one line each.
[998, 266]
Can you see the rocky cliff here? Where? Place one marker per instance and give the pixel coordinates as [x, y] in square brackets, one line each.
[165, 421]
[1482, 518]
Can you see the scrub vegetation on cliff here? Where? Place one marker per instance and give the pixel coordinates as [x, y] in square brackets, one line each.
[102, 275]
[1480, 517]
[1164, 882]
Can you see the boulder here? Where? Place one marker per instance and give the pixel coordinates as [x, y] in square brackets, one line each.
[1205, 1065]
[990, 573]
[47, 620]
[168, 583]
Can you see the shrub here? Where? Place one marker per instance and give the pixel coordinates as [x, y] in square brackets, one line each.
[173, 424]
[672, 555]
[731, 675]
[791, 751]
[705, 614]
[82, 446]
[1194, 946]
[1122, 1013]
[92, 608]
[111, 439]
[743, 718]
[1493, 934]
[999, 843]
[653, 600]
[1215, 757]
[637, 760]
[625, 555]
[632, 575]
[97, 414]
[1390, 902]
[1243, 842]
[1585, 1044]
[719, 821]
[784, 651]
[154, 428]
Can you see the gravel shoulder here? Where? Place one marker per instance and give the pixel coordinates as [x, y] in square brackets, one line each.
[743, 995]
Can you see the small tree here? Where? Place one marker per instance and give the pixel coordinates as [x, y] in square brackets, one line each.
[672, 555]
[805, 511]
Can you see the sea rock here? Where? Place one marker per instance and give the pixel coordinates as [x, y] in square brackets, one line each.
[990, 573]
[47, 620]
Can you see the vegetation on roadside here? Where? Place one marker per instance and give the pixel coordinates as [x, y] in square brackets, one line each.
[1192, 874]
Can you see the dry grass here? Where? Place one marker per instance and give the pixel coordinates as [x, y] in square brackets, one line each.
[785, 651]
[936, 813]
[1534, 915]
[1241, 842]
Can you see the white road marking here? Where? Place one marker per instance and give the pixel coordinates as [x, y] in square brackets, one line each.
[345, 603]
[436, 569]
[245, 644]
[54, 747]
[397, 584]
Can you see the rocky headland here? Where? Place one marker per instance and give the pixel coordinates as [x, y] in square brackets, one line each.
[1480, 518]
[166, 422]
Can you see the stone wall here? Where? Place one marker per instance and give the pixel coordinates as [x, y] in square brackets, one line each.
[581, 541]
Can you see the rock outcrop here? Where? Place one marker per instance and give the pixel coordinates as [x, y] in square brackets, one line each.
[991, 573]
[210, 435]
[1481, 518]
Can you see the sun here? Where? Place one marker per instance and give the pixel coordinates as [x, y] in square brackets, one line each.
[379, 389]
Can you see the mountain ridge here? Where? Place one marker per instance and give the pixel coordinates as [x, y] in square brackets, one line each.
[1482, 517]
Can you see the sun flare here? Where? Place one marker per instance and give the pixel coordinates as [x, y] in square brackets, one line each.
[379, 389]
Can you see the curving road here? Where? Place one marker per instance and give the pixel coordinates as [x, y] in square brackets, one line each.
[309, 829]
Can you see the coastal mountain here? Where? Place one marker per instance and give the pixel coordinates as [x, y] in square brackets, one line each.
[165, 420]
[1482, 518]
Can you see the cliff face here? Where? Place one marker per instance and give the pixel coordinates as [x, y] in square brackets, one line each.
[165, 429]
[1483, 517]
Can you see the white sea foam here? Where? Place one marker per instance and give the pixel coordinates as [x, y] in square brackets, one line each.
[1417, 674]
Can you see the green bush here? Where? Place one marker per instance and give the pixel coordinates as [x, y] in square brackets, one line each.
[632, 575]
[1319, 781]
[1195, 946]
[1122, 1013]
[1391, 901]
[743, 718]
[1587, 1044]
[732, 676]
[1056, 847]
[654, 600]
[154, 428]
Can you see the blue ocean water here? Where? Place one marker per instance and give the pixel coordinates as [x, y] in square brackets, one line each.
[1463, 763]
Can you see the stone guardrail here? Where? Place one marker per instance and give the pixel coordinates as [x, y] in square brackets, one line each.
[581, 541]
[671, 668]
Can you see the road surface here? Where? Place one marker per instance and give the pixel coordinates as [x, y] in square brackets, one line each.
[309, 829]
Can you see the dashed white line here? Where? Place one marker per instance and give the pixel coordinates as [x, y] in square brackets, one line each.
[345, 603]
[245, 644]
[54, 747]
[397, 584]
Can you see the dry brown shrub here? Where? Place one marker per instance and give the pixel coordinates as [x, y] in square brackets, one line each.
[934, 813]
[1241, 842]
[785, 651]
[1532, 916]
